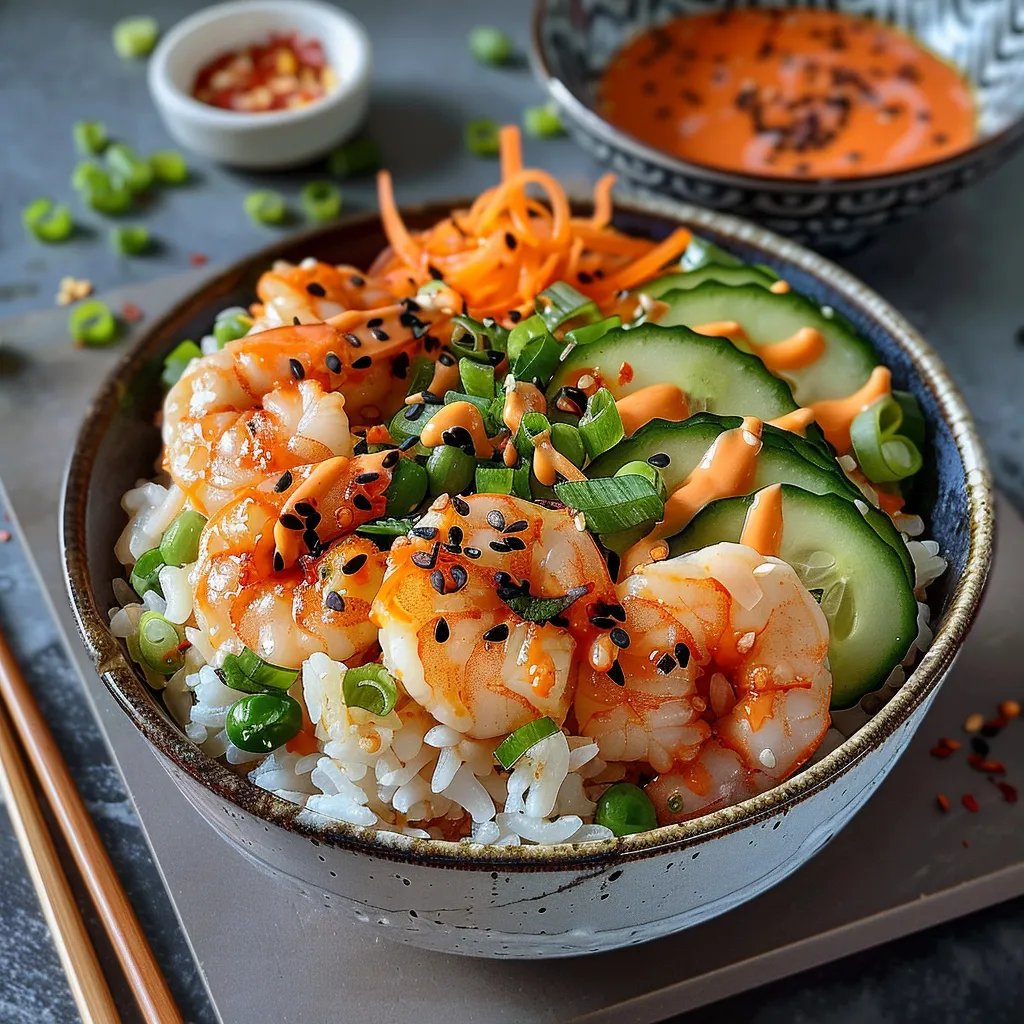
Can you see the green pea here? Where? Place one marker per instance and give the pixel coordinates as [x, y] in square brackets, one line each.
[647, 471]
[180, 542]
[449, 470]
[566, 439]
[231, 328]
[407, 489]
[262, 722]
[159, 641]
[625, 809]
[146, 572]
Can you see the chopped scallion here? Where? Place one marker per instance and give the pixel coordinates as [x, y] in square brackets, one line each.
[482, 137]
[648, 472]
[135, 38]
[884, 454]
[421, 373]
[610, 504]
[231, 328]
[249, 673]
[589, 333]
[145, 575]
[262, 722]
[700, 252]
[538, 360]
[523, 333]
[531, 424]
[543, 122]
[168, 166]
[159, 640]
[560, 302]
[90, 137]
[600, 425]
[92, 323]
[913, 427]
[355, 158]
[477, 378]
[494, 480]
[176, 362]
[407, 489]
[489, 45]
[129, 239]
[387, 527]
[265, 206]
[520, 742]
[180, 542]
[321, 200]
[133, 171]
[372, 688]
[48, 221]
[449, 470]
[566, 439]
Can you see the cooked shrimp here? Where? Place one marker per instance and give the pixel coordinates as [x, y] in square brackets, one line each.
[247, 596]
[726, 686]
[283, 398]
[445, 610]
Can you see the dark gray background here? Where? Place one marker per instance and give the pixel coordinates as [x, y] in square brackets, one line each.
[956, 272]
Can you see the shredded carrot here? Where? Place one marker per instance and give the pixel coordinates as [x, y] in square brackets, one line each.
[603, 201]
[511, 151]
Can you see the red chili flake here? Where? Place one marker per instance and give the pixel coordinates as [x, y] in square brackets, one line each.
[975, 761]
[625, 373]
[1010, 709]
[940, 751]
[198, 259]
[950, 744]
[994, 726]
[965, 844]
[184, 646]
[131, 313]
[1009, 792]
[5, 536]
[992, 767]
[943, 801]
[970, 803]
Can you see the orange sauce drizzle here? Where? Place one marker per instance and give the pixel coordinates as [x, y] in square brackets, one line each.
[656, 401]
[458, 414]
[796, 422]
[780, 287]
[522, 399]
[835, 415]
[446, 378]
[762, 527]
[549, 463]
[793, 353]
[722, 329]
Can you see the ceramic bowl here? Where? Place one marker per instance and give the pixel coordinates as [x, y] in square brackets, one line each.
[574, 40]
[274, 139]
[534, 901]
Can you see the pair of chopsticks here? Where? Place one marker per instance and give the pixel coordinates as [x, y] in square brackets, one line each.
[21, 720]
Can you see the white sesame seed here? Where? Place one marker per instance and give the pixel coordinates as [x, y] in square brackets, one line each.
[764, 568]
[745, 642]
[767, 758]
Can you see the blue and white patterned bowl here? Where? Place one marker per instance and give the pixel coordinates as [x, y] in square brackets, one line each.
[573, 41]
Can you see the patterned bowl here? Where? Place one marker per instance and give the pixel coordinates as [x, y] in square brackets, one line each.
[573, 41]
[535, 901]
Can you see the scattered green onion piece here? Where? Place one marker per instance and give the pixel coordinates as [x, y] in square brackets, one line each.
[482, 137]
[249, 673]
[589, 333]
[134, 171]
[231, 328]
[884, 454]
[159, 641]
[431, 287]
[560, 302]
[266, 207]
[135, 38]
[648, 472]
[321, 200]
[449, 470]
[387, 527]
[89, 175]
[543, 122]
[522, 485]
[566, 439]
[401, 427]
[177, 361]
[262, 722]
[490, 408]
[146, 573]
[421, 373]
[372, 688]
[407, 489]
[530, 329]
[494, 480]
[625, 809]
[168, 167]
[489, 45]
[355, 158]
[477, 378]
[98, 189]
[520, 742]
[129, 239]
[531, 424]
[600, 425]
[48, 221]
[92, 323]
[538, 361]
[541, 609]
[90, 137]
[700, 252]
[610, 504]
[180, 542]
[913, 427]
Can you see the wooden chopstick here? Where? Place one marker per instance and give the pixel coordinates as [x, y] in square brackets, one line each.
[74, 947]
[115, 911]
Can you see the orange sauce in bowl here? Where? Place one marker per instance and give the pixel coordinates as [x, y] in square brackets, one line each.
[795, 93]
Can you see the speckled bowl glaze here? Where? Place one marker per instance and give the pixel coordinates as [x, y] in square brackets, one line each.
[573, 41]
[533, 901]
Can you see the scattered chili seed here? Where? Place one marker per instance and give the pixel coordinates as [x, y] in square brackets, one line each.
[992, 767]
[970, 803]
[994, 726]
[943, 801]
[1009, 709]
[198, 259]
[940, 751]
[973, 723]
[131, 313]
[951, 744]
[1009, 792]
[5, 536]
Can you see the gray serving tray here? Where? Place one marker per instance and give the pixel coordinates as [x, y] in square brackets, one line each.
[902, 865]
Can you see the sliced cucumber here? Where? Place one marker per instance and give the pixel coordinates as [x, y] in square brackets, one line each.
[864, 592]
[767, 317]
[709, 272]
[713, 373]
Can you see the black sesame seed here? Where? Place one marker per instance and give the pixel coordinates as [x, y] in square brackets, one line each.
[617, 611]
[356, 281]
[390, 460]
[362, 502]
[665, 664]
[374, 322]
[515, 544]
[430, 343]
[602, 622]
[362, 363]
[296, 322]
[515, 316]
[615, 674]
[414, 412]
[453, 549]
[437, 580]
[510, 240]
[352, 340]
[408, 443]
[426, 532]
[497, 634]
[584, 278]
[500, 546]
[425, 559]
[400, 365]
[659, 460]
[455, 535]
[316, 289]
[441, 630]
[979, 746]
[292, 522]
[333, 363]
[298, 370]
[313, 520]
[367, 478]
[431, 399]
[411, 305]
[619, 637]
[461, 506]
[517, 527]
[284, 483]
[334, 601]
[304, 509]
[353, 565]
[459, 577]
[472, 552]
[278, 561]
[379, 334]
[495, 519]
[458, 437]
[494, 357]
[682, 654]
[435, 273]
[446, 359]
[312, 541]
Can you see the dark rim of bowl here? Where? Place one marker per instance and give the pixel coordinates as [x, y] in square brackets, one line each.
[597, 125]
[140, 703]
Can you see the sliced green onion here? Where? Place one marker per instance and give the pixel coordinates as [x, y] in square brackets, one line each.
[522, 471]
[625, 809]
[89, 175]
[431, 287]
[90, 137]
[489, 45]
[483, 404]
[530, 329]
[700, 252]
[98, 189]
[530, 426]
[538, 609]
[266, 207]
[884, 454]
[168, 167]
[250, 673]
[449, 470]
[321, 200]
[477, 378]
[566, 439]
[387, 527]
[410, 420]
[355, 158]
[176, 362]
[543, 122]
[48, 221]
[180, 542]
[648, 472]
[135, 37]
[610, 504]
[421, 373]
[407, 489]
[92, 323]
[600, 425]
[913, 427]
[262, 722]
[494, 480]
[589, 333]
[231, 328]
[520, 742]
[538, 361]
[560, 302]
[129, 239]
[159, 641]
[482, 137]
[132, 169]
[145, 574]
[372, 688]
[474, 338]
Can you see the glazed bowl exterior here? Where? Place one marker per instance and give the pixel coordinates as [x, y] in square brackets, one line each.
[534, 901]
[574, 40]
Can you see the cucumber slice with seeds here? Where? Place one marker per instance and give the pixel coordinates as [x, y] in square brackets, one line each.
[661, 286]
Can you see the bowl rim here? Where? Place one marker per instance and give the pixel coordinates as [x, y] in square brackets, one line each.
[565, 98]
[180, 103]
[141, 705]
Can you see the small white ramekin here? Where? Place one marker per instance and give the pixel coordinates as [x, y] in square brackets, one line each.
[275, 139]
